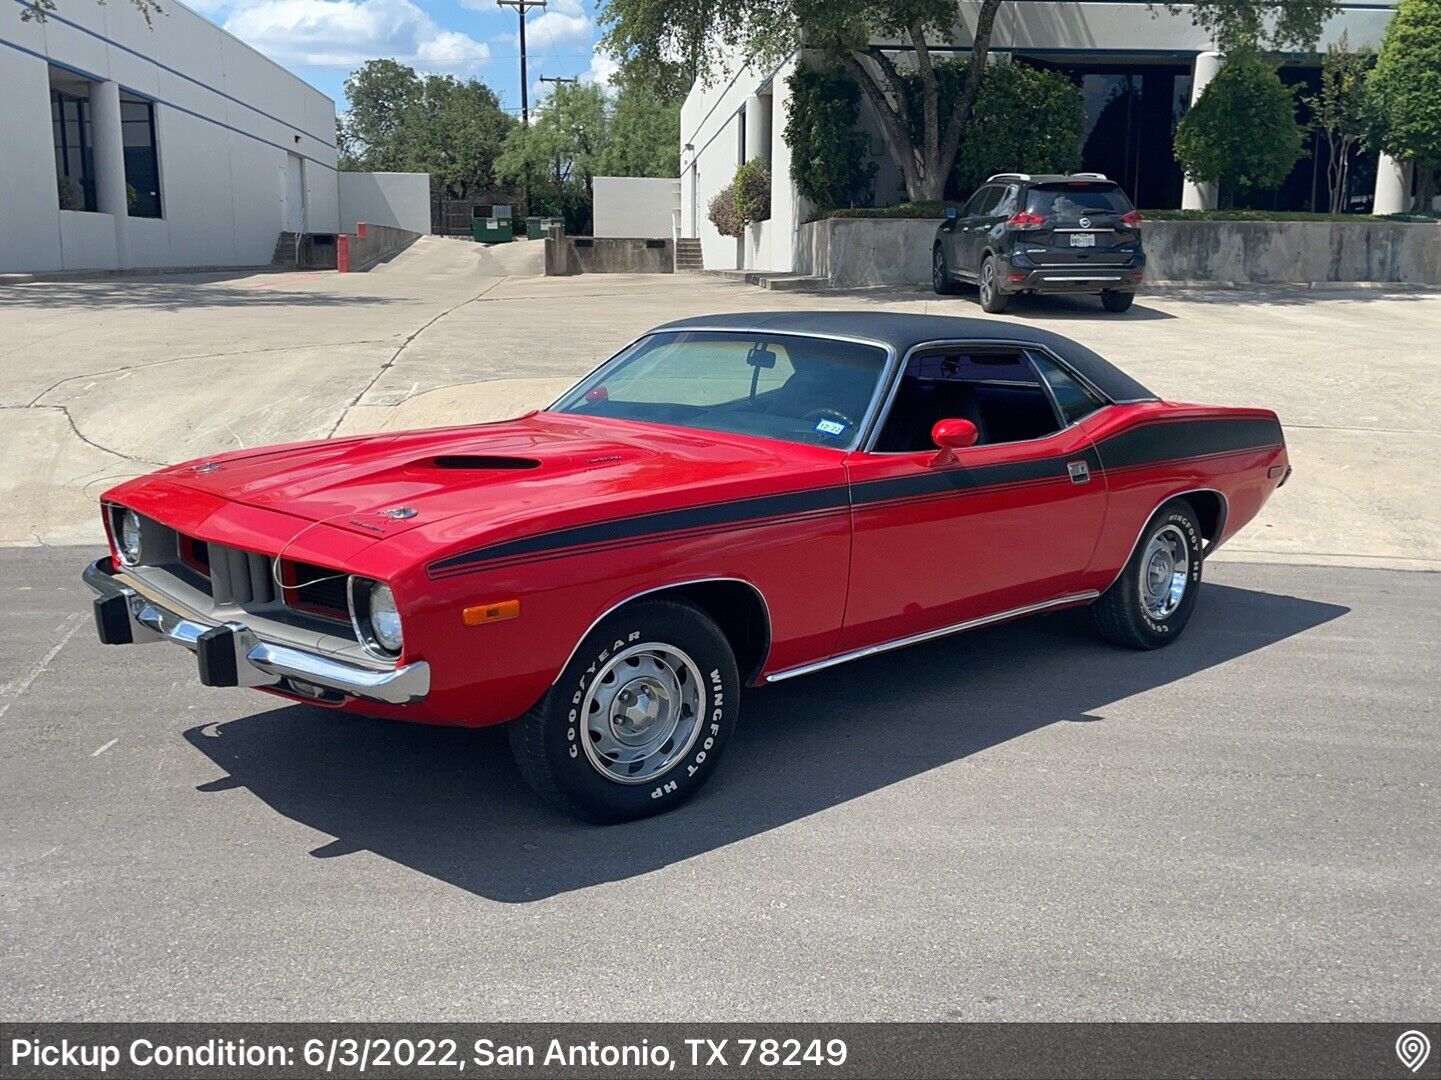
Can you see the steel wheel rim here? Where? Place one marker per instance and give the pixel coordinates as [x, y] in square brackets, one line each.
[1165, 571]
[642, 712]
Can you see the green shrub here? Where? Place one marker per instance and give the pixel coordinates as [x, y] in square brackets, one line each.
[752, 188]
[830, 158]
[1025, 120]
[1406, 88]
[1242, 132]
[722, 212]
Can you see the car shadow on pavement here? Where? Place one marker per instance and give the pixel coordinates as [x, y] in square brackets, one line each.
[450, 804]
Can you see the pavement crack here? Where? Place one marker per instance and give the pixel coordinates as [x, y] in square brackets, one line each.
[353, 402]
[143, 365]
[65, 412]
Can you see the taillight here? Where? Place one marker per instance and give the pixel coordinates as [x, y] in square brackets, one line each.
[1025, 220]
[1132, 218]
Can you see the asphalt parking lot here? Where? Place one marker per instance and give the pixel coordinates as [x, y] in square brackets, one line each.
[1021, 823]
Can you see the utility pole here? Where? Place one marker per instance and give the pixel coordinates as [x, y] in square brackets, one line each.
[557, 79]
[521, 7]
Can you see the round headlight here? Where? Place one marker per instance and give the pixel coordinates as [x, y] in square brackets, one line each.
[128, 538]
[384, 618]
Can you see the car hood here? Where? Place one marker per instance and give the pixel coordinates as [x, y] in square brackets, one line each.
[385, 485]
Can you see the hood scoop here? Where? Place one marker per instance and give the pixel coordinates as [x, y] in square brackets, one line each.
[481, 462]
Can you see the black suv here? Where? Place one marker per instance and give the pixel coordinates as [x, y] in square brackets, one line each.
[1042, 234]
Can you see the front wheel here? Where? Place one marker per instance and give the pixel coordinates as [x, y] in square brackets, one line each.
[638, 719]
[1115, 301]
[992, 299]
[1150, 603]
[940, 272]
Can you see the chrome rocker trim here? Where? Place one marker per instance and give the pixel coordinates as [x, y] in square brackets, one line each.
[257, 663]
[930, 635]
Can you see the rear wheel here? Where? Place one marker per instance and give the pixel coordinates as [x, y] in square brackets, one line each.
[940, 273]
[992, 299]
[1112, 300]
[1150, 603]
[638, 719]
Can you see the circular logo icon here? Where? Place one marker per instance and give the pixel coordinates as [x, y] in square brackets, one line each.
[1085, 223]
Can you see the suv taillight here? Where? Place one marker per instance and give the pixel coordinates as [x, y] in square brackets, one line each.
[1132, 218]
[1025, 220]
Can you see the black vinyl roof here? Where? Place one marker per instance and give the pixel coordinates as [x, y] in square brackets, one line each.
[903, 332]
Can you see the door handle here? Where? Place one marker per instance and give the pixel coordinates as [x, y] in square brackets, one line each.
[1080, 472]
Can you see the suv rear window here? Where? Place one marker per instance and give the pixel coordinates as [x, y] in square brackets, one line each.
[1072, 200]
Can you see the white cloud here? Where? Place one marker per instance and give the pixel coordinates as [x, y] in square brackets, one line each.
[602, 66]
[562, 26]
[346, 33]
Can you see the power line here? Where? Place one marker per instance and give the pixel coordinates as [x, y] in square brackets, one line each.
[521, 7]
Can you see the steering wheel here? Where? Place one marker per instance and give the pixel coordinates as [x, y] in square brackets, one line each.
[827, 414]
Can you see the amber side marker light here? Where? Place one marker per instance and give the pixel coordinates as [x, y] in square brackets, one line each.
[481, 614]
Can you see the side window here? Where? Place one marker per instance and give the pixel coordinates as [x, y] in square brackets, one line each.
[1074, 400]
[994, 388]
[976, 203]
[1007, 205]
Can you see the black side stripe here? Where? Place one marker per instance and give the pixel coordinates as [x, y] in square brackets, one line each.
[1146, 444]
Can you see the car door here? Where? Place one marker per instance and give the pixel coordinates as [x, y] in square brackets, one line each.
[945, 538]
[962, 253]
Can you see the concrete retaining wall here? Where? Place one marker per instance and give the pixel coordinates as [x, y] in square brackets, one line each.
[565, 255]
[373, 244]
[853, 252]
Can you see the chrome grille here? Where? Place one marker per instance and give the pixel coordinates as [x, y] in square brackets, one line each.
[240, 577]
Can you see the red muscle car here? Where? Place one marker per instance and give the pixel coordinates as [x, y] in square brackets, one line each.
[730, 500]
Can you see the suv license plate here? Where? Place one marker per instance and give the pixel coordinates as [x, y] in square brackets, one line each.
[1081, 239]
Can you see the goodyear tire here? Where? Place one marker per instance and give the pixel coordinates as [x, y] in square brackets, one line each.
[638, 720]
[1150, 603]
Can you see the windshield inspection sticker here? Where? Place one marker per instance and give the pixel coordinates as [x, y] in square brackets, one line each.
[830, 427]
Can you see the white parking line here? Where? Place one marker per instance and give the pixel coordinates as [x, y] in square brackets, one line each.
[104, 748]
[11, 692]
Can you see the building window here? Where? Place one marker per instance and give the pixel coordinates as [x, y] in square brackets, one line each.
[142, 164]
[74, 159]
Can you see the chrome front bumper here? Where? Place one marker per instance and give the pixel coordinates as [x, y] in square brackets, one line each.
[230, 654]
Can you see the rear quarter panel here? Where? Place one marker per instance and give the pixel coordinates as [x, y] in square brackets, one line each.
[1153, 451]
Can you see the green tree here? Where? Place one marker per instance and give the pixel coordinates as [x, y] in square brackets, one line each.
[1341, 112]
[1026, 120]
[643, 135]
[830, 158]
[921, 137]
[555, 158]
[1242, 132]
[1406, 88]
[399, 122]
[381, 94]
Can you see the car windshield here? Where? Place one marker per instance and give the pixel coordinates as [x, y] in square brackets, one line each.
[1069, 201]
[777, 386]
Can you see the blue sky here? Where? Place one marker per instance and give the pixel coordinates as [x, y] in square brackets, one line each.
[322, 41]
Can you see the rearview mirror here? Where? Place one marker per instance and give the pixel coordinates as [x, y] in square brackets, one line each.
[761, 358]
[954, 434]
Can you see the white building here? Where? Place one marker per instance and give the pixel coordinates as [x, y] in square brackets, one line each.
[125, 146]
[1138, 67]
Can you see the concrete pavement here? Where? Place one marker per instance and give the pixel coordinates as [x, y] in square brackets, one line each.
[104, 379]
[1017, 824]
